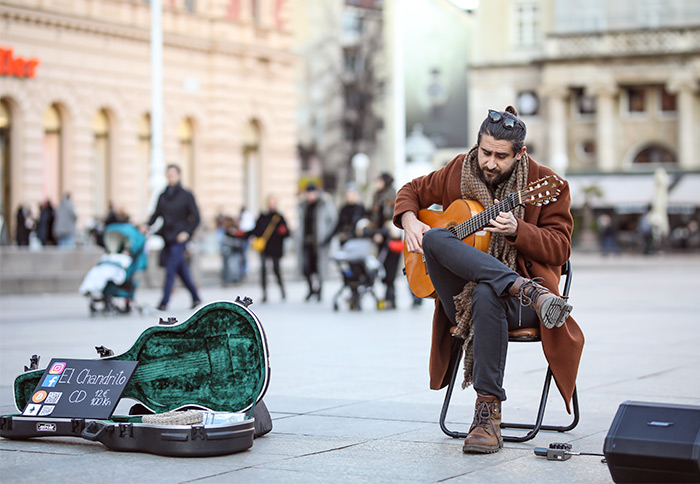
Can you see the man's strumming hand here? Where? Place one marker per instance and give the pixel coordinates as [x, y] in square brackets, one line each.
[414, 230]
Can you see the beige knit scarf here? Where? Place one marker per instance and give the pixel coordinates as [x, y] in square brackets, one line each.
[473, 188]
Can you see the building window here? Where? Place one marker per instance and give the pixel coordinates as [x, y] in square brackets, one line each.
[654, 154]
[526, 23]
[144, 164]
[636, 99]
[52, 150]
[667, 101]
[528, 103]
[352, 24]
[102, 163]
[585, 104]
[185, 135]
[252, 166]
[5, 164]
[354, 63]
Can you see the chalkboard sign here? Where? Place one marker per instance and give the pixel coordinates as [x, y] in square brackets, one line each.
[80, 388]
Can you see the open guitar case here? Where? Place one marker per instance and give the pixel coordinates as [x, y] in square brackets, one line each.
[216, 360]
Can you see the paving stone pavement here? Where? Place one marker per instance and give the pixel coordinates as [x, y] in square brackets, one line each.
[349, 390]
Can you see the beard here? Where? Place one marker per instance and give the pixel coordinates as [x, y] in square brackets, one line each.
[494, 178]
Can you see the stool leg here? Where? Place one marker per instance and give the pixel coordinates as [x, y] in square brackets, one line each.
[537, 426]
[448, 394]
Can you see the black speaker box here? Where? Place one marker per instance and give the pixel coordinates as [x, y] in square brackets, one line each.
[654, 442]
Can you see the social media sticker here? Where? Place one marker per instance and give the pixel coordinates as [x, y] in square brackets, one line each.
[46, 410]
[39, 396]
[53, 397]
[57, 368]
[50, 381]
[32, 409]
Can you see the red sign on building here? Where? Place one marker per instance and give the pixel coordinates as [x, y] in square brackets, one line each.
[16, 66]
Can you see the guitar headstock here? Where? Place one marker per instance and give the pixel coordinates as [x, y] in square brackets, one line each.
[542, 191]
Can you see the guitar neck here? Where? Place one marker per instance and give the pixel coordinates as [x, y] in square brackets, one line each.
[481, 220]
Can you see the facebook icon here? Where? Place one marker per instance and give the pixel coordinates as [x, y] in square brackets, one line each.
[50, 381]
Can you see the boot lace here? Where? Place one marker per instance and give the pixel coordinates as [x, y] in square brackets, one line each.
[482, 416]
[530, 292]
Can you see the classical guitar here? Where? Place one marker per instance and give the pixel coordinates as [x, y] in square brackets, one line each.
[466, 219]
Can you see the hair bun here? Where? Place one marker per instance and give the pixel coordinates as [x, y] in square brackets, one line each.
[512, 110]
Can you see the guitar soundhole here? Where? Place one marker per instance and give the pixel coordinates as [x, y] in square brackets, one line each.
[451, 225]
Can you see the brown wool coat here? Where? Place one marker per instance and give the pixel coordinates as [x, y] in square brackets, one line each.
[544, 245]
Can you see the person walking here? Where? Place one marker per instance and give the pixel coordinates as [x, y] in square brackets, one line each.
[64, 223]
[387, 237]
[180, 215]
[272, 228]
[317, 219]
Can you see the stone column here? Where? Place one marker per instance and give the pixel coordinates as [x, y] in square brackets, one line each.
[557, 123]
[684, 88]
[605, 125]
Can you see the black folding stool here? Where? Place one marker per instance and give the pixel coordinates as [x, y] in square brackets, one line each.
[518, 336]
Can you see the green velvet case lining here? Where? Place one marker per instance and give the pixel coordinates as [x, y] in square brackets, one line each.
[216, 359]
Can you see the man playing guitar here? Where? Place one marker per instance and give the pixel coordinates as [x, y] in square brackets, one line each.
[483, 295]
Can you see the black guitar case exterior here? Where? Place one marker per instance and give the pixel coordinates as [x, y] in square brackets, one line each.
[217, 360]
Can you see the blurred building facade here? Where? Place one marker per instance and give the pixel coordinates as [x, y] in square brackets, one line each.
[75, 102]
[341, 88]
[605, 88]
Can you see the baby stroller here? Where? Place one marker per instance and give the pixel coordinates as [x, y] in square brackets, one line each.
[113, 276]
[359, 268]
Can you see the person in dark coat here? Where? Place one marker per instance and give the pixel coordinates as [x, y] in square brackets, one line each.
[381, 216]
[349, 215]
[178, 209]
[272, 223]
[44, 227]
[24, 225]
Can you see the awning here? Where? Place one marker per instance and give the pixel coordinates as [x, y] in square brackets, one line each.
[634, 192]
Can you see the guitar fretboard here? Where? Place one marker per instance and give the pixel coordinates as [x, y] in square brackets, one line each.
[481, 220]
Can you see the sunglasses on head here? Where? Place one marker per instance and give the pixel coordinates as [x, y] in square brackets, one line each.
[508, 122]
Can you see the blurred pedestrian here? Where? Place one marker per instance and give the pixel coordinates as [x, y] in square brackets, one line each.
[645, 230]
[607, 231]
[25, 225]
[64, 223]
[231, 242]
[246, 223]
[44, 227]
[350, 213]
[386, 235]
[317, 218]
[116, 216]
[272, 228]
[180, 215]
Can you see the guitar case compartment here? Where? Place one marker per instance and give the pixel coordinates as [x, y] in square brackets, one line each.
[217, 360]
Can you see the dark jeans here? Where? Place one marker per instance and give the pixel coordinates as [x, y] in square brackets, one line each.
[275, 268]
[451, 264]
[391, 265]
[175, 263]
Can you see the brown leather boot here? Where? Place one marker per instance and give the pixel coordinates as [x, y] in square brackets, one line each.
[550, 308]
[485, 433]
